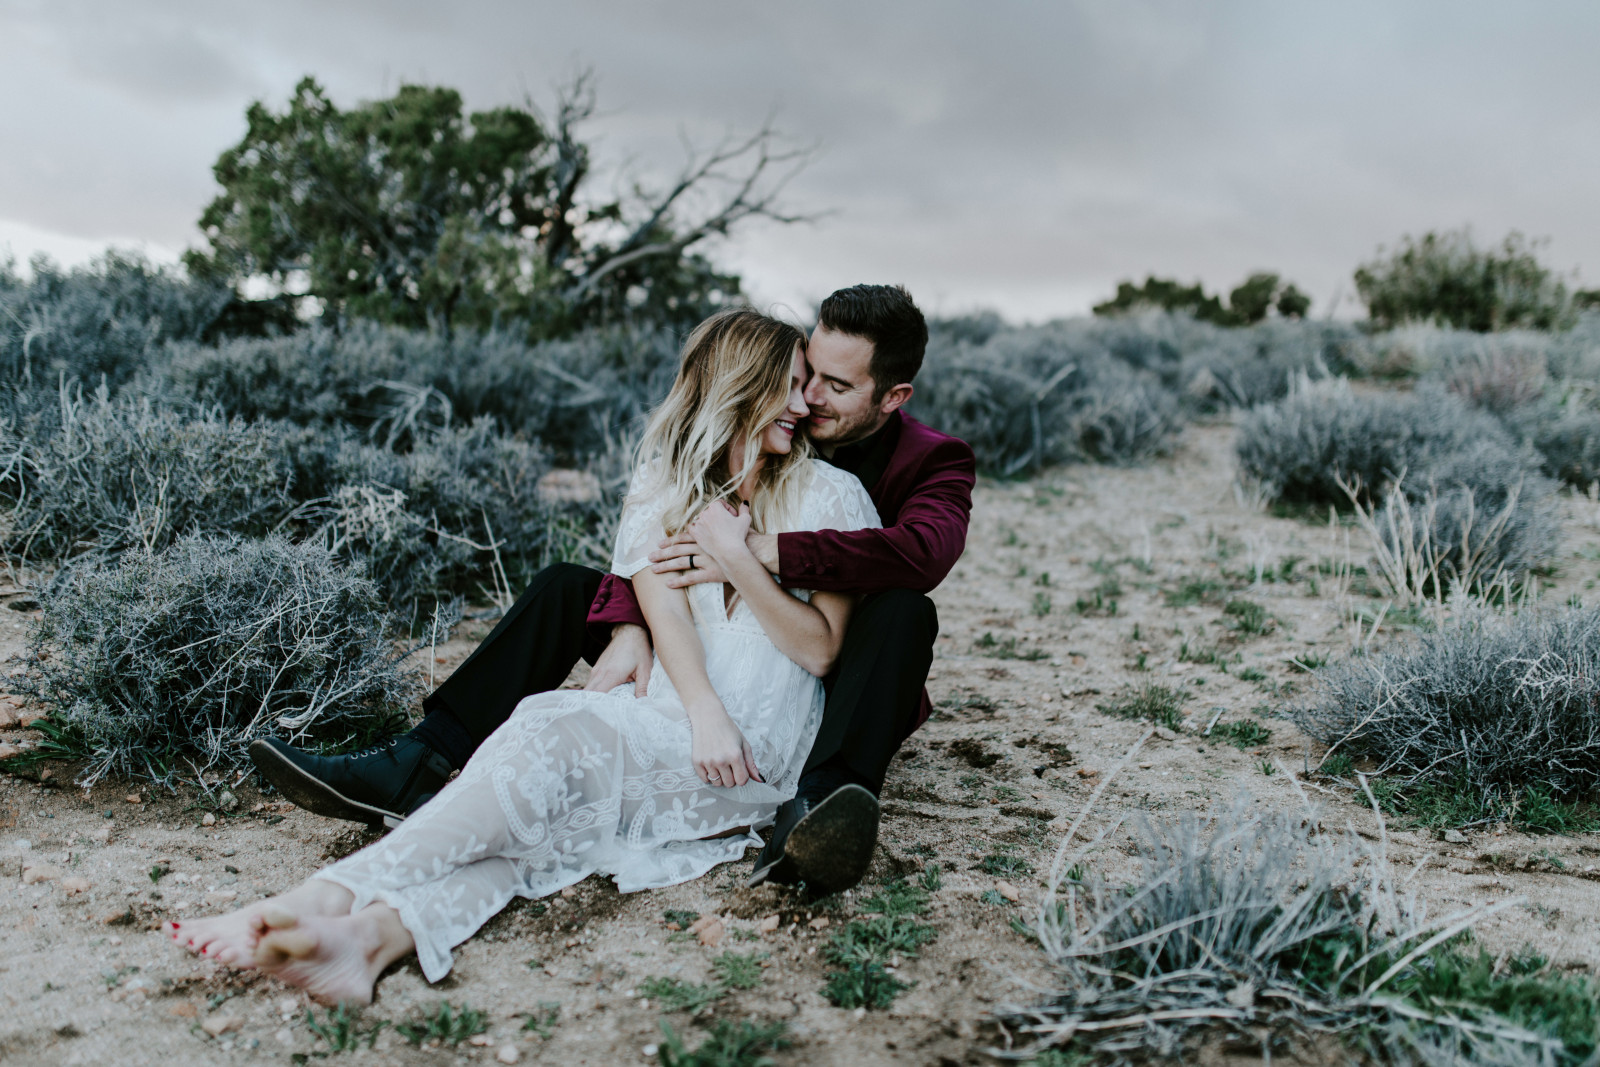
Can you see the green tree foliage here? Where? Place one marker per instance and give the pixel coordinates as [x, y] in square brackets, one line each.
[413, 212]
[1444, 278]
[1250, 302]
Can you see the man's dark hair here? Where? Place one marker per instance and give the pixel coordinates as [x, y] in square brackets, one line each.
[888, 317]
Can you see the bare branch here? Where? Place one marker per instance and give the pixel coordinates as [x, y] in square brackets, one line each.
[756, 167]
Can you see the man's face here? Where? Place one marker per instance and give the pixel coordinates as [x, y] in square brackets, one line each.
[840, 389]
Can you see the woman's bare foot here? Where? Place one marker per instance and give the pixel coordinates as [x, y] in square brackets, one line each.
[336, 960]
[231, 939]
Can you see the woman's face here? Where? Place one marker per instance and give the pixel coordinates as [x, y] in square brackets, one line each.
[778, 436]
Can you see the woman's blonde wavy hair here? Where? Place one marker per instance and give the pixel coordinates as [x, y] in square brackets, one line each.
[732, 384]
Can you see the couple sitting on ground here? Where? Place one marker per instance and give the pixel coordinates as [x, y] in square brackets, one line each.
[769, 639]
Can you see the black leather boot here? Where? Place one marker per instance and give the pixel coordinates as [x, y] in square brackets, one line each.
[824, 837]
[377, 786]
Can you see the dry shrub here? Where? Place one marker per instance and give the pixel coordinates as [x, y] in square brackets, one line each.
[578, 397]
[1490, 705]
[112, 475]
[169, 663]
[101, 322]
[1473, 497]
[460, 514]
[1273, 927]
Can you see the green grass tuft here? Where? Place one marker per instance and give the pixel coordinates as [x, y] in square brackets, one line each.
[863, 984]
[341, 1031]
[450, 1024]
[1153, 703]
[674, 994]
[732, 1044]
[1248, 616]
[1246, 733]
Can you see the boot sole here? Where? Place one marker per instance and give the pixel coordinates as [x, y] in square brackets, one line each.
[312, 794]
[831, 847]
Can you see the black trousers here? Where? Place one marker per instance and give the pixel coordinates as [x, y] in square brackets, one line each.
[874, 693]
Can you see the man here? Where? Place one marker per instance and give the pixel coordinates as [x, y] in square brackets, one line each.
[863, 356]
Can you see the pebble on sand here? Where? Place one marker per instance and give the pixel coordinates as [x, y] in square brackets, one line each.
[1009, 891]
[709, 930]
[74, 884]
[769, 924]
[40, 872]
[208, 819]
[9, 752]
[508, 1054]
[221, 1023]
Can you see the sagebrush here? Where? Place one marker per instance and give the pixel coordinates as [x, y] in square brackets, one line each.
[1489, 707]
[1272, 927]
[169, 663]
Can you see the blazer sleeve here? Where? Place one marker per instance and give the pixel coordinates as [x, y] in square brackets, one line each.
[614, 604]
[915, 553]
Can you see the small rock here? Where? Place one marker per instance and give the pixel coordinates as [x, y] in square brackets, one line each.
[208, 819]
[819, 923]
[565, 486]
[221, 896]
[74, 884]
[227, 801]
[134, 798]
[1165, 734]
[26, 718]
[1007, 890]
[480, 1040]
[570, 892]
[8, 717]
[769, 924]
[219, 1024]
[1146, 766]
[183, 1010]
[285, 1036]
[508, 1054]
[711, 935]
[1088, 772]
[41, 872]
[1455, 837]
[9, 752]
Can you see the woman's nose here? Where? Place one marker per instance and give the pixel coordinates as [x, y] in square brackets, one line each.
[798, 406]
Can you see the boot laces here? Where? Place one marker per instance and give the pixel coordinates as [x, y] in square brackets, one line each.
[373, 750]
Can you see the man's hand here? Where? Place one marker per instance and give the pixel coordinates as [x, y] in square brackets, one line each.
[686, 563]
[626, 659]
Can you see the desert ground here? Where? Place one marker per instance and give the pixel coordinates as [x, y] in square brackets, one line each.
[1063, 603]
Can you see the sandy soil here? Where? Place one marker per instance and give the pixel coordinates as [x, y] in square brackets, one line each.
[1010, 757]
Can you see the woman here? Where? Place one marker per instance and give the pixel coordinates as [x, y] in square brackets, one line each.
[652, 791]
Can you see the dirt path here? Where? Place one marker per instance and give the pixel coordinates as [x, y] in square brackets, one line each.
[1017, 745]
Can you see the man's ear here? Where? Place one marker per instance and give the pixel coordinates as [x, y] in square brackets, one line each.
[895, 397]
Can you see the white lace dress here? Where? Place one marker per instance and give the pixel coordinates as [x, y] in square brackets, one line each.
[577, 782]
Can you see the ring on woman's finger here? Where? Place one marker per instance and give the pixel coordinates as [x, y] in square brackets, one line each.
[691, 561]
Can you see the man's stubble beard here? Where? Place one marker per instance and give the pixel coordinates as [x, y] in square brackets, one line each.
[843, 435]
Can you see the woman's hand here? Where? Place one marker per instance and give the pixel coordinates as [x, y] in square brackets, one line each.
[721, 755]
[720, 530]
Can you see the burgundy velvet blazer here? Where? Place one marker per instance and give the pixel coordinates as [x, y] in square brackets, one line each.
[924, 500]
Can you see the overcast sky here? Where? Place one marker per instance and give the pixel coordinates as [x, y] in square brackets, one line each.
[1019, 156]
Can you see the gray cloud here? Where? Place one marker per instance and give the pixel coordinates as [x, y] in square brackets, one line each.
[1018, 155]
